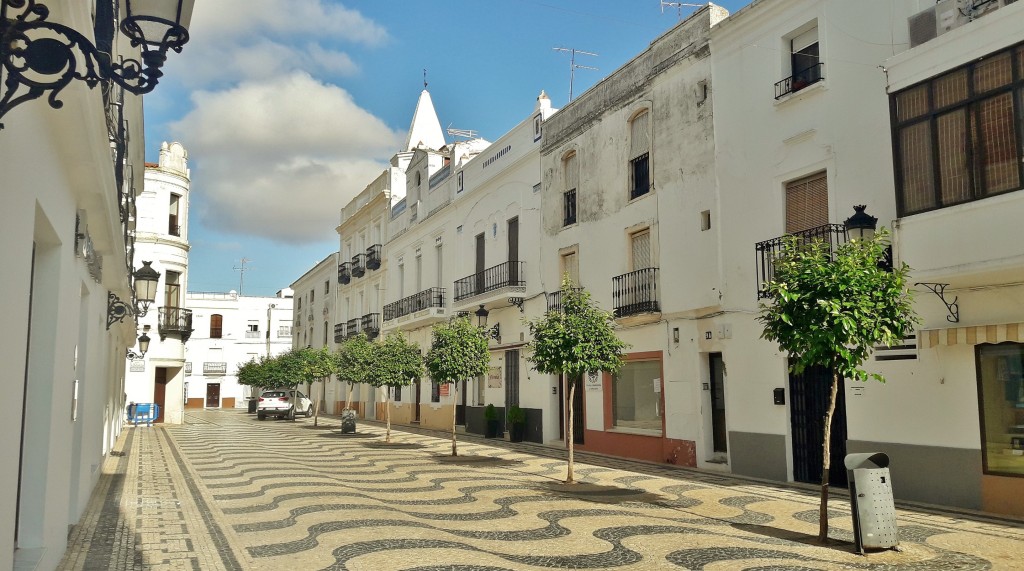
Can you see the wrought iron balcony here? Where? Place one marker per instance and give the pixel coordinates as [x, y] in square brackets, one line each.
[768, 250]
[352, 327]
[175, 321]
[507, 274]
[373, 257]
[340, 332]
[799, 80]
[370, 325]
[344, 272]
[555, 299]
[433, 297]
[636, 292]
[569, 207]
[359, 265]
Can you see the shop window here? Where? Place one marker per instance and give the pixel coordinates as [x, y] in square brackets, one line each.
[1001, 380]
[636, 396]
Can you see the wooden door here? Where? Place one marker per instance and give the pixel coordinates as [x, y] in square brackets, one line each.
[719, 434]
[160, 391]
[513, 251]
[416, 406]
[460, 407]
[479, 285]
[212, 395]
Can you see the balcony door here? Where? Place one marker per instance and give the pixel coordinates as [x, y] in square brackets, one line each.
[172, 289]
[807, 203]
[479, 285]
[513, 250]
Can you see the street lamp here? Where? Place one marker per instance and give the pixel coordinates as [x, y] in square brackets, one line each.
[39, 56]
[860, 226]
[493, 332]
[143, 348]
[146, 279]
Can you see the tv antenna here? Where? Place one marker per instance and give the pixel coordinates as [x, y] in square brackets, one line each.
[464, 133]
[679, 7]
[241, 269]
[573, 66]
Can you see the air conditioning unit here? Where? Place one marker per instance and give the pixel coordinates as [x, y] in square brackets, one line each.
[947, 15]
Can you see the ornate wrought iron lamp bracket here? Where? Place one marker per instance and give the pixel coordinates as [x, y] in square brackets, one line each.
[37, 56]
[939, 289]
[518, 302]
[117, 310]
[495, 333]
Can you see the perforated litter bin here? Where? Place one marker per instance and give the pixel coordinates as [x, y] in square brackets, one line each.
[871, 500]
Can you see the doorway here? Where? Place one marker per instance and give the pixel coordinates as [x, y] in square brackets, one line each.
[416, 405]
[212, 395]
[479, 285]
[511, 379]
[808, 397]
[719, 434]
[160, 391]
[460, 406]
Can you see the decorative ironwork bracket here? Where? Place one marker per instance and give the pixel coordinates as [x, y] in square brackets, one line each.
[939, 289]
[117, 310]
[132, 355]
[518, 302]
[494, 333]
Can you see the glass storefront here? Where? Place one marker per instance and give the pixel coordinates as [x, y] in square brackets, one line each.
[636, 396]
[1001, 380]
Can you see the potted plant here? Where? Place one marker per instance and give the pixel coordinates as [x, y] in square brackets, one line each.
[491, 420]
[517, 420]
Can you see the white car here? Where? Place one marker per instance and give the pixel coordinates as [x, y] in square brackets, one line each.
[282, 403]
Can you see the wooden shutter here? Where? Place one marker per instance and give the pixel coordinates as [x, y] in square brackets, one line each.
[572, 173]
[806, 203]
[641, 244]
[640, 135]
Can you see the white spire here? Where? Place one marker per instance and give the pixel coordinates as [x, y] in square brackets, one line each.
[425, 129]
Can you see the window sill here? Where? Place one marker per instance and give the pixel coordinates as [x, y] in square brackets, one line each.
[635, 431]
[641, 197]
[797, 95]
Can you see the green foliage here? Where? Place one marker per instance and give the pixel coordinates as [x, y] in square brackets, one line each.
[316, 364]
[396, 362]
[355, 359]
[490, 413]
[458, 351]
[576, 340]
[262, 373]
[516, 415]
[833, 310]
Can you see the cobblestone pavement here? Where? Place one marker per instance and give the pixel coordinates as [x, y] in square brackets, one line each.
[225, 491]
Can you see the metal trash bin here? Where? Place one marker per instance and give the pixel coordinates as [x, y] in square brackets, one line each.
[253, 402]
[871, 500]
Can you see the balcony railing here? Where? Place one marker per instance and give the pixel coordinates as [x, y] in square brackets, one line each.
[433, 297]
[175, 321]
[555, 299]
[215, 368]
[359, 265]
[284, 331]
[344, 272]
[569, 208]
[373, 257]
[636, 292]
[799, 80]
[508, 274]
[340, 332]
[768, 250]
[370, 325]
[253, 334]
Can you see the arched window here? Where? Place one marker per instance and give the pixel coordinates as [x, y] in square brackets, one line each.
[640, 154]
[571, 177]
[216, 326]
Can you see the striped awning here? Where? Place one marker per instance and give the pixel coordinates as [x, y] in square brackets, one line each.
[971, 335]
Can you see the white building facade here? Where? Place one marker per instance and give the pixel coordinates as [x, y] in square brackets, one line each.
[314, 304]
[628, 211]
[231, 329]
[70, 180]
[465, 240]
[161, 237]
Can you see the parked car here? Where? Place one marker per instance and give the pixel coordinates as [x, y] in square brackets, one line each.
[282, 403]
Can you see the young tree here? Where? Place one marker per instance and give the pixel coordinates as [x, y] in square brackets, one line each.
[355, 359]
[317, 365]
[288, 369]
[831, 311]
[458, 351]
[397, 363]
[572, 342]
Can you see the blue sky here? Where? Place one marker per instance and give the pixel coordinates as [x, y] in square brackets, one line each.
[287, 115]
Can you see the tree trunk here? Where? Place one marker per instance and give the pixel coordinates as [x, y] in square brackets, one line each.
[826, 447]
[387, 414]
[569, 435]
[316, 407]
[348, 398]
[455, 400]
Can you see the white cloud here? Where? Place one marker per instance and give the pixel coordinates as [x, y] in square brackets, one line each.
[279, 158]
[307, 18]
